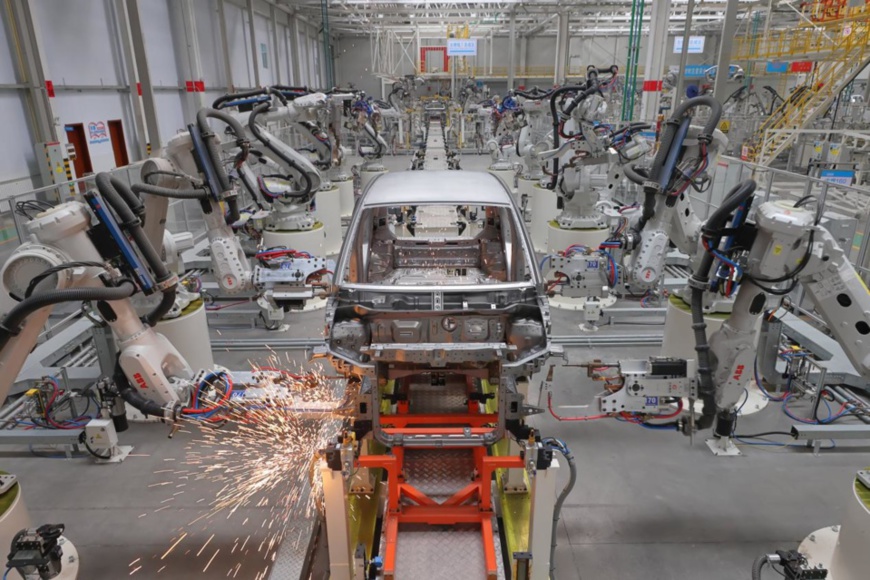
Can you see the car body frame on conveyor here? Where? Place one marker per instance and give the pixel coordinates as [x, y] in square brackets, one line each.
[437, 317]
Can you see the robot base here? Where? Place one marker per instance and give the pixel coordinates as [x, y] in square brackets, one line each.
[15, 518]
[189, 334]
[367, 175]
[565, 303]
[345, 194]
[311, 241]
[679, 342]
[543, 203]
[328, 212]
[842, 550]
[559, 239]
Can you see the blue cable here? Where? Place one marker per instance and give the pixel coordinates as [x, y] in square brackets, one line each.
[543, 260]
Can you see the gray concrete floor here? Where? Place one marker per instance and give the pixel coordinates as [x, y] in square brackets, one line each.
[647, 505]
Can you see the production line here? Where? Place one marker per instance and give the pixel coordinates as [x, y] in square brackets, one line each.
[430, 440]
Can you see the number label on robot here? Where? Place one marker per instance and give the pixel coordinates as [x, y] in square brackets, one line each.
[652, 401]
[591, 264]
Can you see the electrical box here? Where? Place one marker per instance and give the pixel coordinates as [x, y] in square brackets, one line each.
[101, 434]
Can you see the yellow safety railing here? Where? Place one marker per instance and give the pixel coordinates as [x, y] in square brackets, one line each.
[804, 105]
[826, 39]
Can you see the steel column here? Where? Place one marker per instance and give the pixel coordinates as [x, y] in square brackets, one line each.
[277, 58]
[561, 71]
[225, 46]
[294, 52]
[656, 48]
[512, 51]
[192, 62]
[148, 106]
[684, 56]
[253, 32]
[31, 69]
[720, 90]
[123, 27]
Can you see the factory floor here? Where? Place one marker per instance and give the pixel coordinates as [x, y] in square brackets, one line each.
[647, 504]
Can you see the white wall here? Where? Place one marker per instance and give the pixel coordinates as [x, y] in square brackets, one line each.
[84, 59]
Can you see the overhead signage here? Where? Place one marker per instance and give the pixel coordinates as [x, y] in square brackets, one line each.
[775, 67]
[462, 47]
[696, 45]
[838, 176]
[802, 66]
[695, 71]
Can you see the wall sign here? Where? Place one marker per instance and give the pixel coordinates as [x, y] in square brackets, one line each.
[97, 133]
[696, 45]
[462, 47]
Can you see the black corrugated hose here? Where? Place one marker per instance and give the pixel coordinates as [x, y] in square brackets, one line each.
[11, 324]
[129, 222]
[698, 282]
[139, 188]
[135, 398]
[255, 130]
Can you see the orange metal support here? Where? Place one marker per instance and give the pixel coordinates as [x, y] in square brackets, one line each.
[473, 420]
[415, 495]
[488, 547]
[391, 538]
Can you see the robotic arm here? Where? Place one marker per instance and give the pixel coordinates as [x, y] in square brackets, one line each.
[69, 259]
[686, 159]
[790, 248]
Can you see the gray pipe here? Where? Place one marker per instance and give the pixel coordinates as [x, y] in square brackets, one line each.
[843, 396]
[139, 188]
[557, 509]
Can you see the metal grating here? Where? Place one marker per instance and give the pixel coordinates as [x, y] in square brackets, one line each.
[439, 473]
[437, 399]
[443, 553]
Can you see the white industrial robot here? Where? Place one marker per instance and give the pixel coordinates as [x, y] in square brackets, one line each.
[290, 182]
[176, 175]
[785, 246]
[98, 252]
[364, 121]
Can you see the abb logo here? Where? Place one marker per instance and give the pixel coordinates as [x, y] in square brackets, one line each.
[140, 380]
[738, 372]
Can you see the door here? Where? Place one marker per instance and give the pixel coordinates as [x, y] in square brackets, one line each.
[75, 135]
[119, 144]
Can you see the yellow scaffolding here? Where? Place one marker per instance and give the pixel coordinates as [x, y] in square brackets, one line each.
[840, 48]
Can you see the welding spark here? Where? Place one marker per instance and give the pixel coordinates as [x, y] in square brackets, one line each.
[261, 462]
